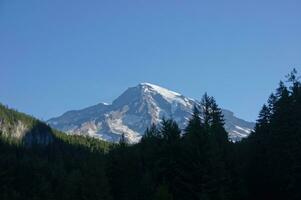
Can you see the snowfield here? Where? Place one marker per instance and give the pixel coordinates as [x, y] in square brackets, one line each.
[135, 110]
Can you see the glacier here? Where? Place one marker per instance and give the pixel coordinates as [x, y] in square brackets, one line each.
[135, 110]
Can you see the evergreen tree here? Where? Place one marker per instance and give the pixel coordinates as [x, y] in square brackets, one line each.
[195, 128]
[152, 133]
[217, 124]
[206, 106]
[263, 118]
[170, 131]
[164, 165]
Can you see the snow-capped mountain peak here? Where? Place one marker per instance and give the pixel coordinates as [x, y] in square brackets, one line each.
[169, 95]
[135, 110]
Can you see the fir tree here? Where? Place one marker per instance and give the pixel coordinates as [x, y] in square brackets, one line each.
[170, 130]
[195, 128]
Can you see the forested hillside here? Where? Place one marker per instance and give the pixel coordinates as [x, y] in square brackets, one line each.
[166, 164]
[66, 167]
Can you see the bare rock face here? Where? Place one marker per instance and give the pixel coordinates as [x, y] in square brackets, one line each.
[135, 110]
[28, 132]
[16, 131]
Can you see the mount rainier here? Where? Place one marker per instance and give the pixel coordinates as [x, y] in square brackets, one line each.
[135, 110]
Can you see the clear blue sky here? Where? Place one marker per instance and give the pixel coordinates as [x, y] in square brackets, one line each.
[59, 55]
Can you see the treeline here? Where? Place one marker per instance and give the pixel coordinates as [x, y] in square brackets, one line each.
[58, 171]
[274, 150]
[203, 164]
[169, 165]
[196, 163]
[69, 167]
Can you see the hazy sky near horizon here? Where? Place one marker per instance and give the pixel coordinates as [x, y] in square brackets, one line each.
[58, 55]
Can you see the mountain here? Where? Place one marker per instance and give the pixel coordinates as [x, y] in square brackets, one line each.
[17, 127]
[135, 110]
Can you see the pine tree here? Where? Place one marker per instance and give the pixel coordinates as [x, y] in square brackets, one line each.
[217, 124]
[152, 133]
[275, 155]
[194, 128]
[263, 118]
[271, 105]
[206, 105]
[170, 131]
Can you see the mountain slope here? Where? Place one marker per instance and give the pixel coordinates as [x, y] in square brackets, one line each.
[135, 110]
[17, 127]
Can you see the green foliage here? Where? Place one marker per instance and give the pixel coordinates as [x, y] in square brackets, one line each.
[274, 148]
[170, 131]
[162, 193]
[82, 142]
[204, 165]
[10, 117]
[166, 164]
[151, 134]
[68, 167]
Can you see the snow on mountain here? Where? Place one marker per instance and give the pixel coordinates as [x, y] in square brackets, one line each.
[135, 110]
